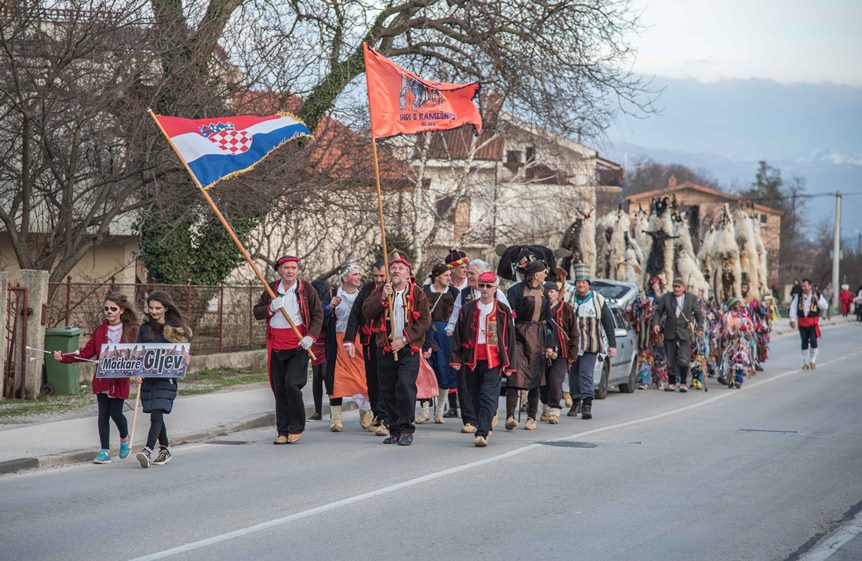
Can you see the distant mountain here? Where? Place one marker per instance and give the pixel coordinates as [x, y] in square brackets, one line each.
[813, 131]
[749, 119]
[821, 174]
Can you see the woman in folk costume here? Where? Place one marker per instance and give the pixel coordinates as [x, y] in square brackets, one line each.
[441, 298]
[534, 334]
[483, 345]
[345, 373]
[318, 364]
[565, 350]
[287, 356]
[119, 326]
[739, 331]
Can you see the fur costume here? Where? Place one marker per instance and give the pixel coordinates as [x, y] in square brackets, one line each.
[704, 256]
[763, 271]
[604, 233]
[687, 266]
[748, 259]
[588, 239]
[660, 228]
[580, 240]
[617, 253]
[727, 276]
[633, 260]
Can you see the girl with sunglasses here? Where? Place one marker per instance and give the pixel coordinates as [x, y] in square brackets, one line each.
[165, 324]
[119, 326]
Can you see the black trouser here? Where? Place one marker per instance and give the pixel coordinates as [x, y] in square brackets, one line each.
[289, 372]
[317, 371]
[466, 399]
[809, 337]
[483, 384]
[512, 402]
[372, 380]
[110, 408]
[552, 392]
[678, 359]
[158, 430]
[398, 389]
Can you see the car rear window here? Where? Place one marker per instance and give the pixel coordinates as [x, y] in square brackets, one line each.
[614, 291]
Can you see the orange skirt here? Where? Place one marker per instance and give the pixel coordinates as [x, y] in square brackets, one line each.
[349, 372]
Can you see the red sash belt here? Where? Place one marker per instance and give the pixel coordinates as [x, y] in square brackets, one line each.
[808, 322]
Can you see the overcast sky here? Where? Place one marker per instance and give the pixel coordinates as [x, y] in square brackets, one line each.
[784, 40]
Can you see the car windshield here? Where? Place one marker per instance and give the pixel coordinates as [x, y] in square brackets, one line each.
[614, 291]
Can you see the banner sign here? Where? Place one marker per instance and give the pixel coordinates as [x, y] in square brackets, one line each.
[145, 360]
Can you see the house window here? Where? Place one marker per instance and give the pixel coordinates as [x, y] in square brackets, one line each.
[461, 219]
[531, 154]
[763, 218]
[513, 157]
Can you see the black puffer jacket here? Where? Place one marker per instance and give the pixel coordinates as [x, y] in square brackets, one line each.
[157, 394]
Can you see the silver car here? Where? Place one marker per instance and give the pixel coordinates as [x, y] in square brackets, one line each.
[622, 370]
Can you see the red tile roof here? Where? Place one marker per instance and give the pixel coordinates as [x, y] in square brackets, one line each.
[688, 185]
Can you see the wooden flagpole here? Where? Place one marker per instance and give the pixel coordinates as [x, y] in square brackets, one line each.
[135, 418]
[232, 234]
[389, 303]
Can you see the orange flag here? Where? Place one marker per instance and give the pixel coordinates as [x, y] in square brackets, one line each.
[401, 102]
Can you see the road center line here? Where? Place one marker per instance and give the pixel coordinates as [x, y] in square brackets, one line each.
[450, 471]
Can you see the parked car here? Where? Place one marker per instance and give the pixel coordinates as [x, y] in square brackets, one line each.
[621, 371]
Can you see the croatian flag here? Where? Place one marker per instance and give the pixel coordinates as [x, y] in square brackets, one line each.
[222, 147]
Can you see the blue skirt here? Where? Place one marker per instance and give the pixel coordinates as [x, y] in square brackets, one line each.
[447, 377]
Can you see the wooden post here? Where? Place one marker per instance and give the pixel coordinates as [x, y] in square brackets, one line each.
[231, 233]
[389, 303]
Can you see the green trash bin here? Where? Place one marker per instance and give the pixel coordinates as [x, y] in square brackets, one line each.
[63, 378]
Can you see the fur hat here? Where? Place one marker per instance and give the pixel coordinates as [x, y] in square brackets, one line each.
[582, 272]
[549, 286]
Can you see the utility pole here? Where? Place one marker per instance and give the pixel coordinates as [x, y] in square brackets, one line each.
[836, 252]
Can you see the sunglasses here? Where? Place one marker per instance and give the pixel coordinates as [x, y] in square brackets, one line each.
[112, 309]
[486, 285]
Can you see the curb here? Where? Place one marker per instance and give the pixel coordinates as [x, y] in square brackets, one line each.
[86, 456]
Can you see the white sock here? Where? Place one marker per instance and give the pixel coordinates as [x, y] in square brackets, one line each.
[805, 356]
[442, 401]
[362, 402]
[814, 353]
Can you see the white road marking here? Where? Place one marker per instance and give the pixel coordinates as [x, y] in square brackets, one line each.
[830, 545]
[453, 470]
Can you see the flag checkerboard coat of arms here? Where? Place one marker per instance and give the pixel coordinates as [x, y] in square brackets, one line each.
[222, 147]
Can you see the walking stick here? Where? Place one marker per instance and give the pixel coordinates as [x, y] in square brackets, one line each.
[135, 418]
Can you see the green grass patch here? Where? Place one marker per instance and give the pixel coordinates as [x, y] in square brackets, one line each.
[11, 408]
[210, 380]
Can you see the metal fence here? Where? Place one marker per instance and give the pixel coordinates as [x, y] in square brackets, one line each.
[220, 316]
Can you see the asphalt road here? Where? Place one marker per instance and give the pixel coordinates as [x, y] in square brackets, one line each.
[759, 473]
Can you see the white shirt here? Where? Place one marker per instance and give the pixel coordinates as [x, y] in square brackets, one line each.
[484, 311]
[115, 333]
[291, 307]
[342, 311]
[806, 305]
[398, 315]
[680, 301]
[456, 309]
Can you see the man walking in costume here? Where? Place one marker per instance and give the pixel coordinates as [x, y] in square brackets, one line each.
[805, 309]
[399, 341]
[483, 347]
[287, 359]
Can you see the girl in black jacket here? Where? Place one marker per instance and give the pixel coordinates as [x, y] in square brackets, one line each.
[165, 325]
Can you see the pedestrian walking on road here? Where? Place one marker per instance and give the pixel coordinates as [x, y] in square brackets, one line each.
[165, 324]
[682, 317]
[287, 353]
[345, 370]
[318, 365]
[534, 334]
[399, 341]
[846, 299]
[119, 326]
[441, 297]
[367, 331]
[805, 311]
[565, 349]
[594, 317]
[483, 346]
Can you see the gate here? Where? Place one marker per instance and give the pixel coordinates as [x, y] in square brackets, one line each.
[16, 342]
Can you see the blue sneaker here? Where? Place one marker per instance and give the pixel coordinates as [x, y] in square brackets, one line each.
[104, 457]
[124, 448]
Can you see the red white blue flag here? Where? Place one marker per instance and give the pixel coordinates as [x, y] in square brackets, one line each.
[222, 147]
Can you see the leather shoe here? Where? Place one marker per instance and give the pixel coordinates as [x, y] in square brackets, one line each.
[450, 414]
[392, 439]
[405, 440]
[315, 417]
[282, 439]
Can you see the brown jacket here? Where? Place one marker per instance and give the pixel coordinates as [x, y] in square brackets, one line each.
[417, 317]
[567, 330]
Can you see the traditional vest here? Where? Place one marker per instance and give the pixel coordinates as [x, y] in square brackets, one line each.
[813, 311]
[589, 316]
